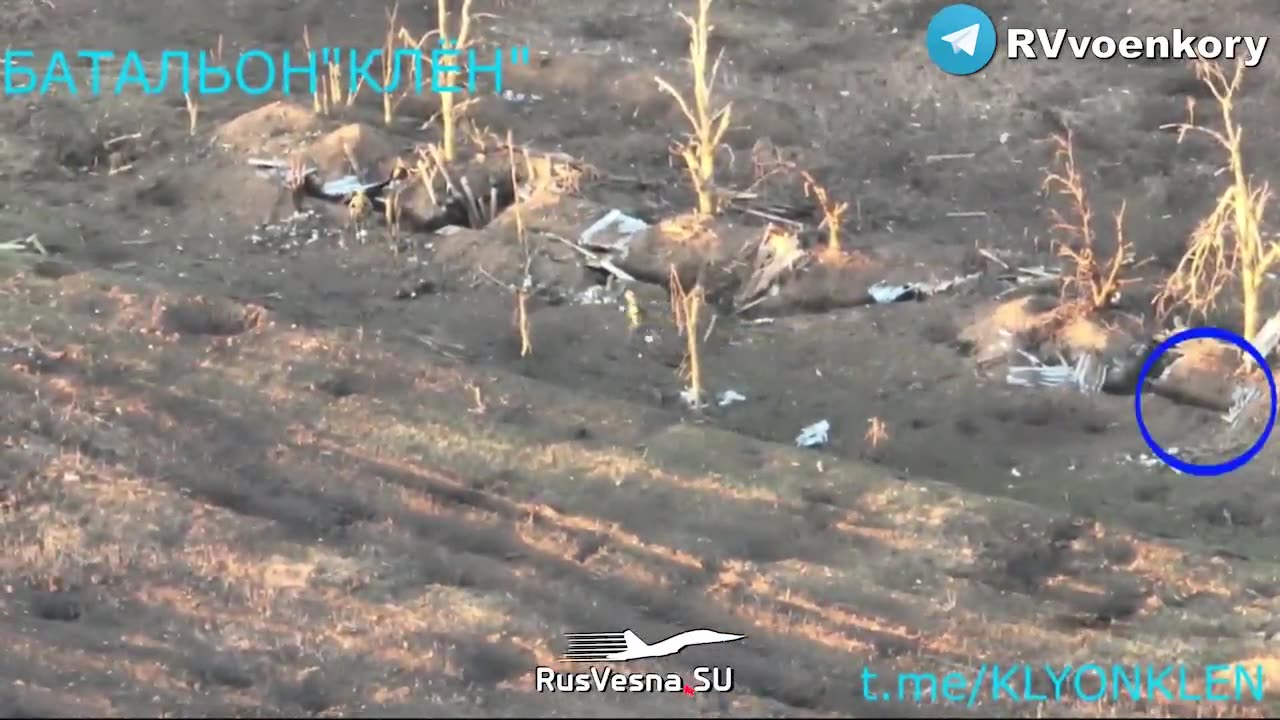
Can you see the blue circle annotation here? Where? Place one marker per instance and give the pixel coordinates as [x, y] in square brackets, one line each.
[961, 39]
[1204, 333]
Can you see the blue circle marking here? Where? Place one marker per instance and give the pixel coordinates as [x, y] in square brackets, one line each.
[961, 39]
[1205, 333]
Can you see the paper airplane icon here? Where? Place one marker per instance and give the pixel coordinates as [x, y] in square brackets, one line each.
[965, 39]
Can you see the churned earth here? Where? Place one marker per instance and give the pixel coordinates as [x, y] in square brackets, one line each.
[270, 466]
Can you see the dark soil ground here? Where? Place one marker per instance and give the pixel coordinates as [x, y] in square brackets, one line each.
[241, 476]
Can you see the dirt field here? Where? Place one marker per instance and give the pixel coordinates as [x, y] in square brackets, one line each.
[240, 475]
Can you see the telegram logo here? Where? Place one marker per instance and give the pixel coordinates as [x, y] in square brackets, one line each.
[961, 39]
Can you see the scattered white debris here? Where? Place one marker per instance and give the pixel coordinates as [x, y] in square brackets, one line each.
[883, 293]
[596, 295]
[289, 235]
[815, 435]
[692, 399]
[729, 397]
[518, 97]
[1148, 460]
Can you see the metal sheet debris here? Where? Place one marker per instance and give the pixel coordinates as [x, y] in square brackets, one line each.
[263, 165]
[692, 399]
[622, 226]
[777, 254]
[884, 293]
[338, 187]
[815, 435]
[599, 252]
[1242, 396]
[729, 397]
[596, 295]
[1088, 374]
[30, 243]
[346, 185]
[592, 259]
[1269, 336]
[1027, 276]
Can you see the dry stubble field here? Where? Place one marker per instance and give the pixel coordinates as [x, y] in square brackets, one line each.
[241, 477]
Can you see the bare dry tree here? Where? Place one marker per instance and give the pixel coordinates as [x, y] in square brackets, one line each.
[686, 309]
[526, 283]
[1228, 244]
[832, 216]
[395, 209]
[459, 43]
[1096, 280]
[193, 113]
[709, 125]
[389, 69]
[329, 93]
[677, 299]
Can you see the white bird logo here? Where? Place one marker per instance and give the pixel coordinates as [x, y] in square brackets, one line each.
[625, 645]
